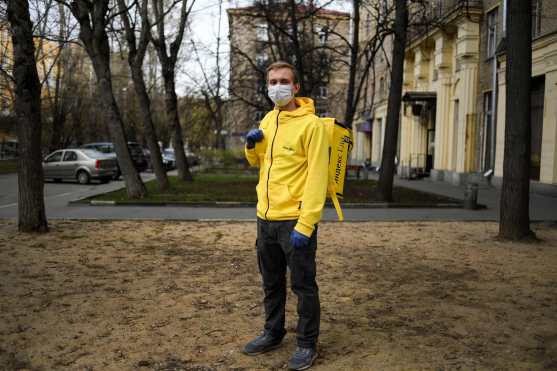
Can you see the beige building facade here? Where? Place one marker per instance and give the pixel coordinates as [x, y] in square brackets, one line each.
[369, 123]
[453, 116]
[439, 118]
[543, 168]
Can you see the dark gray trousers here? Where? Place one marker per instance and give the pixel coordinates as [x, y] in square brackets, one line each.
[274, 255]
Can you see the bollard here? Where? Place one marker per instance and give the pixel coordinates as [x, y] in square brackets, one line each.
[471, 196]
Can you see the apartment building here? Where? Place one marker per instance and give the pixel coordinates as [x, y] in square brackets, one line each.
[369, 124]
[6, 91]
[543, 170]
[255, 44]
[370, 120]
[453, 115]
[54, 66]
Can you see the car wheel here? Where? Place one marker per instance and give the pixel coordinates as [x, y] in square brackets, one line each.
[83, 177]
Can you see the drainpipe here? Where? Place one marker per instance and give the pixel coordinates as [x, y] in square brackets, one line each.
[494, 95]
[493, 113]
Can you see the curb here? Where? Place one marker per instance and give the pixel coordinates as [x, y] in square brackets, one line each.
[232, 204]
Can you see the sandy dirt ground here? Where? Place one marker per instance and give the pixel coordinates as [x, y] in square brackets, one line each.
[144, 295]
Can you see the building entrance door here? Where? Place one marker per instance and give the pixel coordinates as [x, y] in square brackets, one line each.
[536, 116]
[430, 150]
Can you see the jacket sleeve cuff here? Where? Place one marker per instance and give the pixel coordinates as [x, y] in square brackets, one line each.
[304, 229]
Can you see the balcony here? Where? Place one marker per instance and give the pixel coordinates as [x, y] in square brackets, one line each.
[426, 15]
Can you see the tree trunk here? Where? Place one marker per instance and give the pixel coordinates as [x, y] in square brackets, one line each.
[31, 209]
[168, 58]
[58, 120]
[305, 89]
[385, 187]
[134, 185]
[515, 191]
[218, 114]
[136, 56]
[149, 127]
[171, 104]
[92, 21]
[354, 50]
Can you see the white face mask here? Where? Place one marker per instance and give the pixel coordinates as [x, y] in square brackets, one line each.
[281, 94]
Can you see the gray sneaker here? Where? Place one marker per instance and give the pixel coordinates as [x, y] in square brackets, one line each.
[261, 344]
[302, 358]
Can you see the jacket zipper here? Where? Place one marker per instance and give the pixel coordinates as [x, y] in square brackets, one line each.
[271, 164]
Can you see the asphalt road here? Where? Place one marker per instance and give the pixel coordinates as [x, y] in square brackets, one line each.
[58, 195]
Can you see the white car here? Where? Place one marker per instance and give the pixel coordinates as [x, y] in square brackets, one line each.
[82, 165]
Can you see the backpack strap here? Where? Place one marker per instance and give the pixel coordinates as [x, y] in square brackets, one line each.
[336, 203]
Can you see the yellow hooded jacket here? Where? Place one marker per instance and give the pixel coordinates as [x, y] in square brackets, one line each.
[293, 161]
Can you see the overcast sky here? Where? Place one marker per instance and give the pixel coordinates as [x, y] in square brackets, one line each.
[204, 32]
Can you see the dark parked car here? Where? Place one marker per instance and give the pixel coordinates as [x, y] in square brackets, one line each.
[192, 158]
[136, 152]
[168, 159]
[79, 164]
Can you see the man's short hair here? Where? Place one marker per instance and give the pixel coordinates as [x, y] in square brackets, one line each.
[283, 64]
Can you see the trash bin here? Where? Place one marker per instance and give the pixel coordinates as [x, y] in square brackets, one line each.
[365, 173]
[471, 196]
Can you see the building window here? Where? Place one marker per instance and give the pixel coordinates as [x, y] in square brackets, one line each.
[321, 109]
[504, 16]
[368, 24]
[381, 87]
[536, 18]
[456, 118]
[261, 32]
[323, 61]
[322, 92]
[323, 33]
[261, 60]
[492, 32]
[488, 132]
[261, 87]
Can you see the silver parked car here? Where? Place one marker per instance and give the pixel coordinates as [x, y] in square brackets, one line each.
[82, 165]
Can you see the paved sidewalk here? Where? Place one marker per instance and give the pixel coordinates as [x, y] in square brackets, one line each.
[543, 208]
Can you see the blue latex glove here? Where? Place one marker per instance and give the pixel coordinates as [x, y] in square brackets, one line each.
[298, 240]
[253, 136]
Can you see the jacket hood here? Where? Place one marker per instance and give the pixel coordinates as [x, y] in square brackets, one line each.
[305, 107]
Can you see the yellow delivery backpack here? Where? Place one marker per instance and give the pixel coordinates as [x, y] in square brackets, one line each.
[340, 144]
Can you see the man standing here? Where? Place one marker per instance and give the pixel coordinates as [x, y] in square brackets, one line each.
[292, 152]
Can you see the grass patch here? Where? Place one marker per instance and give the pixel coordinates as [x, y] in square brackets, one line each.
[241, 188]
[356, 191]
[8, 166]
[205, 188]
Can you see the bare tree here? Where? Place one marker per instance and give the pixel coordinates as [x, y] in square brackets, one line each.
[31, 209]
[362, 54]
[93, 18]
[211, 88]
[168, 56]
[58, 66]
[296, 32]
[136, 56]
[51, 31]
[385, 186]
[515, 191]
